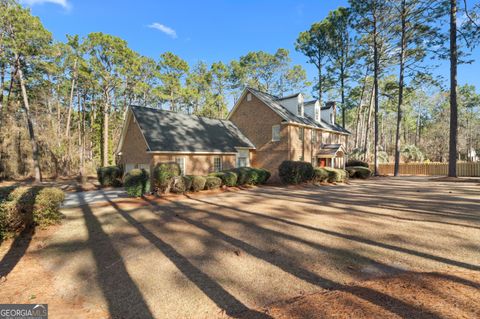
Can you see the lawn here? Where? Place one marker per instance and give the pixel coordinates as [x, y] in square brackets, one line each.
[406, 247]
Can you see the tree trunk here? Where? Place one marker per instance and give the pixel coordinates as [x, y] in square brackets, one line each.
[452, 152]
[367, 129]
[375, 86]
[342, 92]
[105, 130]
[320, 84]
[31, 132]
[356, 142]
[400, 91]
[70, 105]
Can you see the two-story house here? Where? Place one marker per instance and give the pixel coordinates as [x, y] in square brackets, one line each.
[262, 130]
[289, 128]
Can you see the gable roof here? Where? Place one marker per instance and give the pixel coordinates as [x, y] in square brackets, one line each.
[272, 101]
[330, 150]
[167, 131]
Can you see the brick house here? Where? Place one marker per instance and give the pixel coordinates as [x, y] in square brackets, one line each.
[199, 145]
[288, 128]
[262, 130]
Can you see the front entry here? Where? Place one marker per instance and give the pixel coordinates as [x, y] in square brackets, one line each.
[321, 162]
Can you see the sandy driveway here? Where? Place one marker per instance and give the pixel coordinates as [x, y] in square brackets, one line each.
[233, 254]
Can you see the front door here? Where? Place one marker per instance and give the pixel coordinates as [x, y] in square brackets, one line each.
[322, 162]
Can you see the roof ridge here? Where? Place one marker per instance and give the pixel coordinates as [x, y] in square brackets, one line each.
[179, 113]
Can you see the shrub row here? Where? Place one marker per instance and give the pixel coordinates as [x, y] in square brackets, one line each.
[354, 162]
[137, 182]
[295, 172]
[26, 206]
[110, 176]
[358, 172]
[166, 178]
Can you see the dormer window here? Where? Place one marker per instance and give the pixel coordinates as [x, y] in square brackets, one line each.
[317, 113]
[332, 118]
[300, 109]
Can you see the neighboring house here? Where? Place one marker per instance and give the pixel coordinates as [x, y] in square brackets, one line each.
[199, 145]
[287, 128]
[262, 130]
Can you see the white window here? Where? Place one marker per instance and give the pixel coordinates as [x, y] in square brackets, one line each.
[181, 162]
[242, 158]
[317, 113]
[249, 97]
[300, 133]
[314, 136]
[300, 109]
[276, 133]
[217, 164]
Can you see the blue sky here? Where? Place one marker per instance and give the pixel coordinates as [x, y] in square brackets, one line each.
[202, 30]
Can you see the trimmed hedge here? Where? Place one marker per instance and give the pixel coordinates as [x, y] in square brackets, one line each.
[25, 206]
[181, 184]
[321, 175]
[228, 178]
[137, 182]
[198, 182]
[295, 172]
[335, 174]
[263, 175]
[109, 176]
[353, 162]
[358, 172]
[213, 182]
[163, 175]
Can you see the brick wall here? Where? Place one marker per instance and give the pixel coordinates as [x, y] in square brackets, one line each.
[196, 164]
[255, 121]
[134, 149]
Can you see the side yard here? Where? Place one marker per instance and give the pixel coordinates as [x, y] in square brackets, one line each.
[399, 248]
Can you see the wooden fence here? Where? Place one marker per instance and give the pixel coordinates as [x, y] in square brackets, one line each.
[464, 169]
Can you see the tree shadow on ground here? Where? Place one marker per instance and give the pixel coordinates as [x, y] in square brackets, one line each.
[385, 301]
[122, 295]
[222, 298]
[349, 237]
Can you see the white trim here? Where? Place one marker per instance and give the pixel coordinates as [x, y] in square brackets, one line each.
[125, 129]
[279, 137]
[287, 121]
[187, 153]
[242, 96]
[221, 163]
[183, 169]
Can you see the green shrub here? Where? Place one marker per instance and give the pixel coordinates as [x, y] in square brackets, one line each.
[46, 210]
[335, 174]
[228, 178]
[26, 206]
[187, 180]
[137, 182]
[198, 182]
[295, 172]
[109, 176]
[358, 172]
[321, 175]
[354, 162]
[263, 175]
[213, 182]
[163, 175]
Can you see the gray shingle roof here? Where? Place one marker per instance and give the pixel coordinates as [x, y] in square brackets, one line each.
[329, 149]
[177, 132]
[272, 101]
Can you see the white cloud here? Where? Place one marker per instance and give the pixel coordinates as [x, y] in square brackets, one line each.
[163, 28]
[64, 3]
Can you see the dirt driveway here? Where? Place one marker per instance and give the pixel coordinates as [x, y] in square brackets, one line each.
[267, 252]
